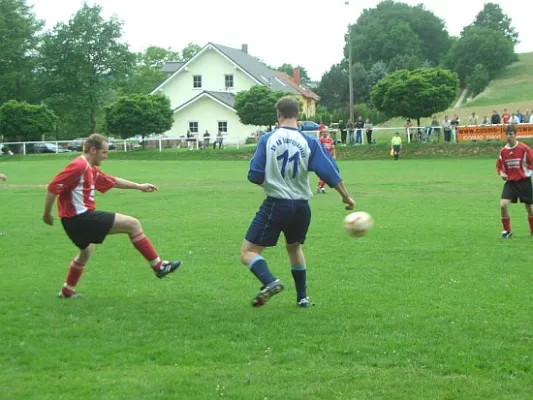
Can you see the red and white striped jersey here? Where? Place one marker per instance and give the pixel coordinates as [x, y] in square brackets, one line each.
[75, 186]
[327, 143]
[516, 162]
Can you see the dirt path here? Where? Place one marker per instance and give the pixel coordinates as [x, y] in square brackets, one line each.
[461, 99]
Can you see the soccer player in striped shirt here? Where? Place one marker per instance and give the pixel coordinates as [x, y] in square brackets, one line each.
[515, 167]
[74, 187]
[327, 142]
[281, 164]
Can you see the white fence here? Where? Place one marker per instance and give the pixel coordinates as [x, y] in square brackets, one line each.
[412, 134]
[63, 146]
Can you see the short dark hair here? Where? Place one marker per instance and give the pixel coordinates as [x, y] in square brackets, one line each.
[288, 107]
[510, 129]
[95, 140]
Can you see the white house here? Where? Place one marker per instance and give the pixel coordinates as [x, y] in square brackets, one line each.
[202, 90]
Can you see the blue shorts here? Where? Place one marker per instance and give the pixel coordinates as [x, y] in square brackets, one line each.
[292, 217]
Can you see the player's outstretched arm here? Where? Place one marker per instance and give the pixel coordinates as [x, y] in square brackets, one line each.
[3, 177]
[48, 204]
[346, 198]
[143, 187]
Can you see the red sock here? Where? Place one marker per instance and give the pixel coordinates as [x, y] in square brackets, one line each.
[74, 274]
[506, 222]
[143, 245]
[530, 219]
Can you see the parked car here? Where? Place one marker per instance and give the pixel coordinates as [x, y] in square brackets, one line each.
[309, 126]
[45, 147]
[76, 145]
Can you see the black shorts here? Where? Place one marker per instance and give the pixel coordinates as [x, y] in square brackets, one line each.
[292, 217]
[514, 190]
[89, 227]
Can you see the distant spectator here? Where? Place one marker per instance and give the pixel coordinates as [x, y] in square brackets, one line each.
[435, 129]
[455, 124]
[515, 119]
[527, 116]
[343, 129]
[368, 130]
[190, 140]
[495, 118]
[408, 131]
[359, 126]
[519, 116]
[473, 120]
[485, 121]
[321, 127]
[506, 117]
[207, 137]
[219, 140]
[447, 125]
[531, 118]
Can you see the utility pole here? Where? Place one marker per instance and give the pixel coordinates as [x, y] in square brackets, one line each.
[350, 77]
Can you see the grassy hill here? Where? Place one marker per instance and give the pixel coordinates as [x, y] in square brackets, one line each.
[512, 90]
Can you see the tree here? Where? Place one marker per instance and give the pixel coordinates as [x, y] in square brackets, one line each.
[377, 72]
[81, 60]
[333, 87]
[257, 106]
[484, 46]
[478, 80]
[392, 29]
[361, 83]
[492, 17]
[147, 73]
[139, 114]
[190, 51]
[26, 122]
[19, 36]
[415, 94]
[155, 57]
[404, 61]
[289, 70]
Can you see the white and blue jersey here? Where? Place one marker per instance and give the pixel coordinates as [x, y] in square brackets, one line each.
[283, 160]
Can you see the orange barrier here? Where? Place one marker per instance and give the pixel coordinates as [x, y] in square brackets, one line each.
[491, 132]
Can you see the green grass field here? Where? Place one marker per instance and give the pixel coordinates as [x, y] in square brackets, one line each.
[430, 305]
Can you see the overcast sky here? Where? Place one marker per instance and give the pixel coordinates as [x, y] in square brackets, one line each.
[300, 32]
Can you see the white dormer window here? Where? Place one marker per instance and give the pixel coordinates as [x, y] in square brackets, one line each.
[228, 81]
[197, 81]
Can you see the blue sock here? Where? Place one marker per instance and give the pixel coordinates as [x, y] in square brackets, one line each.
[259, 268]
[300, 281]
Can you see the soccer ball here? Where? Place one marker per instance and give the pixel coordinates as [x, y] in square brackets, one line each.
[358, 223]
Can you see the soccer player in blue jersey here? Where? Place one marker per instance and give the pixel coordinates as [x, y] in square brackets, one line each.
[281, 164]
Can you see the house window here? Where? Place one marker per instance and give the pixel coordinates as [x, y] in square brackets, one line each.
[223, 126]
[228, 81]
[193, 126]
[197, 81]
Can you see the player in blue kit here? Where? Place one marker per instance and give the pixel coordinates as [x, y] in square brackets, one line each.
[281, 164]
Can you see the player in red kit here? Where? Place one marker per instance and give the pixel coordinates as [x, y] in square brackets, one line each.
[515, 166]
[74, 187]
[329, 145]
